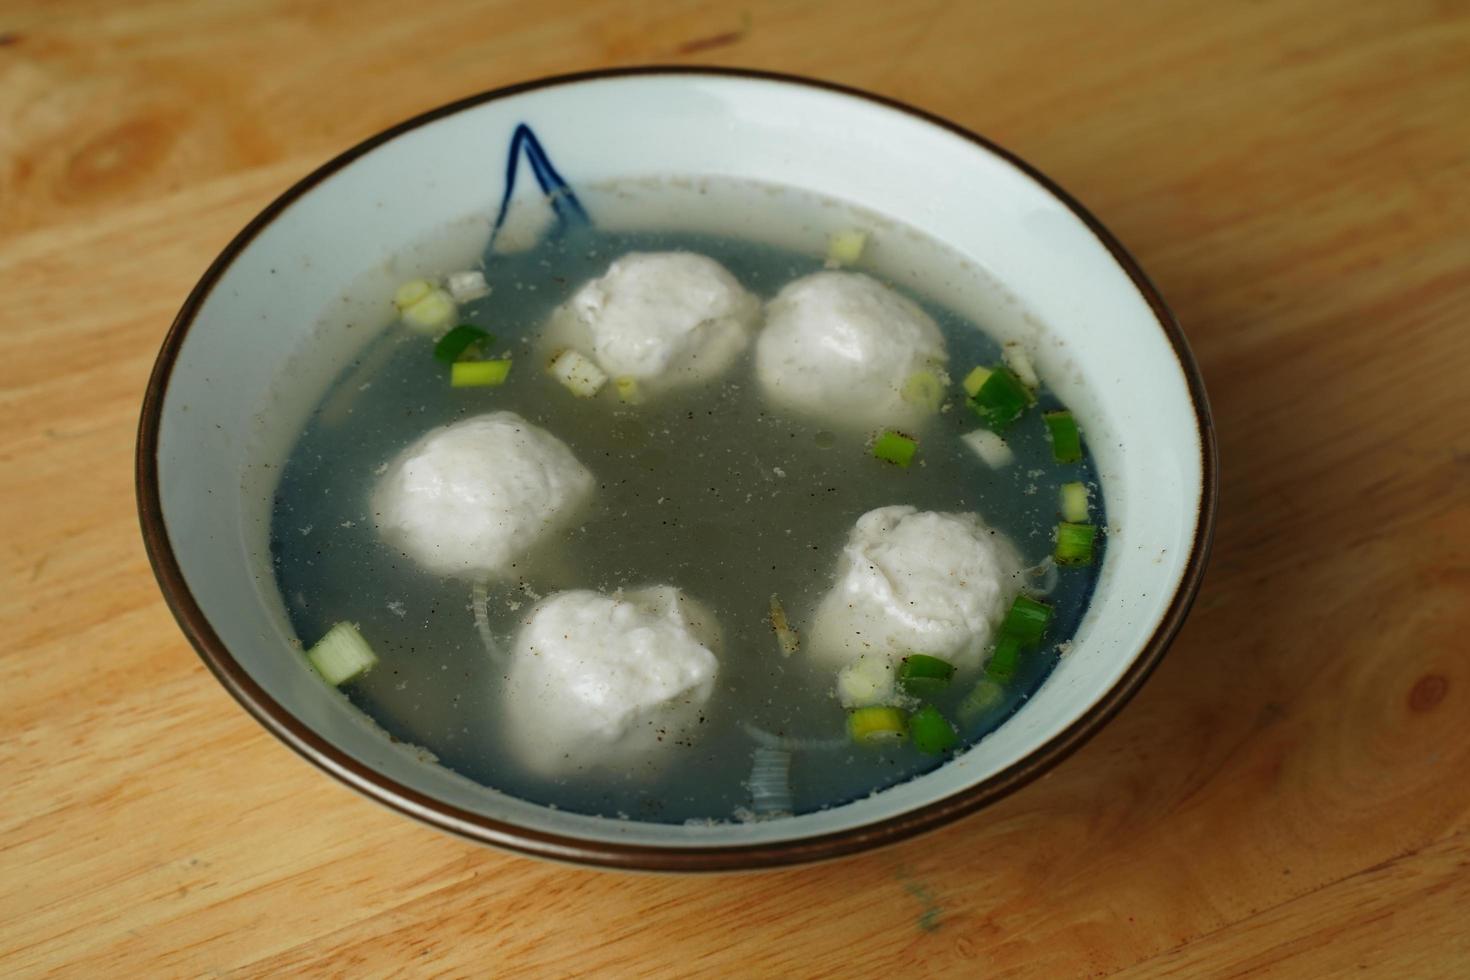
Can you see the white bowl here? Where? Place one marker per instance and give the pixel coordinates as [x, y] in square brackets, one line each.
[230, 393]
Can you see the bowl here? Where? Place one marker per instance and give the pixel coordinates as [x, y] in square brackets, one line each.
[232, 388]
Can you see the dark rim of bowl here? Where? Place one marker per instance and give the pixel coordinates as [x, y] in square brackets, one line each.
[527, 840]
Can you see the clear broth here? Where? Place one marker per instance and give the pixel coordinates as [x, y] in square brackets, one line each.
[709, 489]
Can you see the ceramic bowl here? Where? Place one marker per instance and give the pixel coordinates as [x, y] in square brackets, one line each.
[231, 391]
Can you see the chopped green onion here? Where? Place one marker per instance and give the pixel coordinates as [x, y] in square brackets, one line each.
[867, 680]
[1003, 661]
[341, 655]
[875, 725]
[923, 388]
[578, 373]
[924, 675]
[628, 391]
[478, 374]
[931, 731]
[1020, 364]
[846, 247]
[989, 447]
[1074, 502]
[453, 345]
[1074, 543]
[896, 448]
[1000, 400]
[467, 286]
[430, 314]
[1066, 441]
[1026, 621]
[986, 695]
[411, 292]
[975, 380]
[788, 638]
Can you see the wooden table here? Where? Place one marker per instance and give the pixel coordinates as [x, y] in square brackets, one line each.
[1289, 795]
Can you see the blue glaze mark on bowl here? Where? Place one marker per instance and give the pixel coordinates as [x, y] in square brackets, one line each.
[558, 192]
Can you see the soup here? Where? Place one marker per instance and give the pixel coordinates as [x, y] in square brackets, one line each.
[731, 520]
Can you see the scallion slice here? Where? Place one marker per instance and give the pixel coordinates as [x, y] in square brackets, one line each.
[431, 313]
[931, 732]
[478, 374]
[1004, 659]
[1026, 621]
[628, 391]
[875, 725]
[846, 247]
[1074, 543]
[467, 286]
[986, 695]
[896, 448]
[411, 292]
[341, 655]
[457, 342]
[578, 373]
[923, 388]
[1066, 440]
[1000, 400]
[923, 675]
[1074, 502]
[867, 680]
[1020, 364]
[975, 380]
[989, 447]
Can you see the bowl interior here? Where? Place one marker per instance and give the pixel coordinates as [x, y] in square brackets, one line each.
[249, 358]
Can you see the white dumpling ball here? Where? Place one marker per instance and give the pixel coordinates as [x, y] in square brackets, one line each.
[912, 581]
[609, 683]
[844, 348]
[473, 498]
[659, 319]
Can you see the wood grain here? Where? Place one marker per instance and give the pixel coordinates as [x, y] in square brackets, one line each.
[1290, 794]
